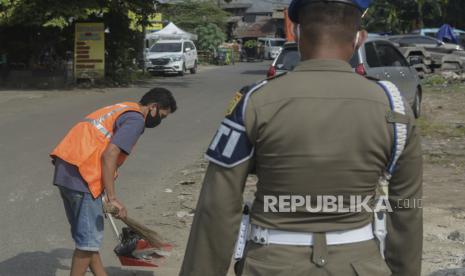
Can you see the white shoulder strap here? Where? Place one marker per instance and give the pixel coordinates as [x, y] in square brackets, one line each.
[397, 105]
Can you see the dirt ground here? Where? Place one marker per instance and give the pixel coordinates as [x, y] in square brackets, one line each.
[443, 130]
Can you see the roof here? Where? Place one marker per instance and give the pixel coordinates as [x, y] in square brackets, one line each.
[236, 6]
[435, 30]
[261, 28]
[272, 38]
[171, 31]
[261, 7]
[257, 6]
[172, 40]
[377, 38]
[409, 36]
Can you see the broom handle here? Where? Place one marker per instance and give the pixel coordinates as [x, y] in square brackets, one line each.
[113, 225]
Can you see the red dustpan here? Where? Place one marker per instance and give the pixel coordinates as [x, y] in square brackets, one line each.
[143, 255]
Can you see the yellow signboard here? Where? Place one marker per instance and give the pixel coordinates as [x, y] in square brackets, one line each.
[157, 17]
[155, 27]
[89, 51]
[156, 22]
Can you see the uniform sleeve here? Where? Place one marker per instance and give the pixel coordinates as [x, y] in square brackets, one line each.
[217, 218]
[405, 223]
[128, 128]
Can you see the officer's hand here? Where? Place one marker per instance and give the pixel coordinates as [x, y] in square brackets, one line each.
[122, 212]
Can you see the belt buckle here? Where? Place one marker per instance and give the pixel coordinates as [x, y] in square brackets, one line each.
[260, 235]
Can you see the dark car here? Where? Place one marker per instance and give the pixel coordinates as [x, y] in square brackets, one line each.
[378, 58]
[286, 60]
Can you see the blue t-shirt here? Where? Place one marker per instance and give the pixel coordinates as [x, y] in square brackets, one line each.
[127, 130]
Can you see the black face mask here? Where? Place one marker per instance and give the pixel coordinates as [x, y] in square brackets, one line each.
[151, 121]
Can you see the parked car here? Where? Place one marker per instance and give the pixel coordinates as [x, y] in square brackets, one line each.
[445, 56]
[378, 58]
[429, 43]
[433, 31]
[172, 56]
[272, 46]
[288, 58]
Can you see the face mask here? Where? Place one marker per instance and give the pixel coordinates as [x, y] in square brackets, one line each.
[153, 121]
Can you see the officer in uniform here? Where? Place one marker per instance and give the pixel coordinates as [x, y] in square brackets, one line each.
[320, 130]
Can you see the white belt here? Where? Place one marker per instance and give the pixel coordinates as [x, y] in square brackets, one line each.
[265, 236]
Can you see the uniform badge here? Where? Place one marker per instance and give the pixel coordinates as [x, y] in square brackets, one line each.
[231, 146]
[232, 105]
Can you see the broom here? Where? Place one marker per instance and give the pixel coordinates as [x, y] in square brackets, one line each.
[152, 237]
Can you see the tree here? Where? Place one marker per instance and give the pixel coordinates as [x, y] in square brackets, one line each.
[454, 13]
[210, 36]
[190, 14]
[64, 13]
[401, 16]
[31, 24]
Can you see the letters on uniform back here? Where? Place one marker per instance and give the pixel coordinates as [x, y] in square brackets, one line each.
[230, 145]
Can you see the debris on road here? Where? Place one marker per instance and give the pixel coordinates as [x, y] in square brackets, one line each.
[456, 236]
[182, 214]
[187, 182]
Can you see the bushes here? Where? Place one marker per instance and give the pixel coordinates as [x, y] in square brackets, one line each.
[210, 37]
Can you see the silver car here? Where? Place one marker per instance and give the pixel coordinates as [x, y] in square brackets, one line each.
[378, 58]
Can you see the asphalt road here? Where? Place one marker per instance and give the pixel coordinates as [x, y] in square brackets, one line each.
[34, 234]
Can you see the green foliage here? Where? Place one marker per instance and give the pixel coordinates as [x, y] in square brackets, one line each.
[250, 43]
[402, 16]
[435, 80]
[34, 26]
[63, 13]
[190, 14]
[210, 36]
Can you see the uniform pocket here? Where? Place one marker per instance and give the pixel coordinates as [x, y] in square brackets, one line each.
[254, 267]
[371, 267]
[265, 260]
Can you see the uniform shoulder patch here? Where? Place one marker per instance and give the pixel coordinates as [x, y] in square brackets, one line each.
[230, 145]
[234, 102]
[237, 106]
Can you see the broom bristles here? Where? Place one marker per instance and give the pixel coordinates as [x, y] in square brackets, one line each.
[146, 233]
[152, 237]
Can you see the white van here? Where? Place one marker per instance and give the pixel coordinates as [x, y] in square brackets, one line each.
[272, 46]
[172, 56]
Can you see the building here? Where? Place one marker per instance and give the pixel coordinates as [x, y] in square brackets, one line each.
[255, 18]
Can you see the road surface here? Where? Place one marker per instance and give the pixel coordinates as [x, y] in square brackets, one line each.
[34, 233]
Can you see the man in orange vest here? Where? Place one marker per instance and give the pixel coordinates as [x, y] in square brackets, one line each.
[86, 161]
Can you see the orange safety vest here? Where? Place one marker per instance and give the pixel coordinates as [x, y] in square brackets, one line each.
[85, 142]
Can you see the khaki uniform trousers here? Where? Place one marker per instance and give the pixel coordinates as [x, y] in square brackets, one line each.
[357, 259]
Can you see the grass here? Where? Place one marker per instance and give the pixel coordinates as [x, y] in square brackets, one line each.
[443, 120]
[437, 83]
[434, 129]
[451, 98]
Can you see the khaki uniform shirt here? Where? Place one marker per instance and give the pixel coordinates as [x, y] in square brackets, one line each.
[320, 130]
